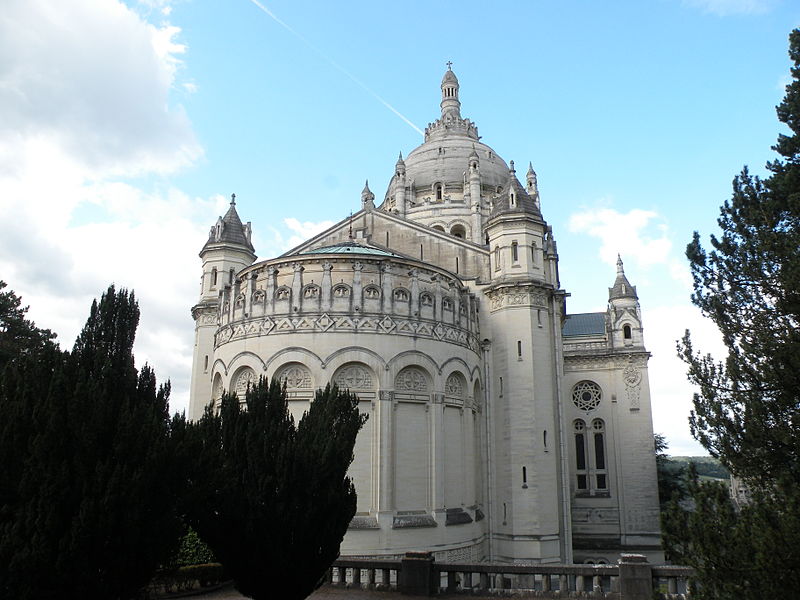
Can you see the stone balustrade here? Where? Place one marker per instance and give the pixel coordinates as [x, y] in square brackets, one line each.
[633, 578]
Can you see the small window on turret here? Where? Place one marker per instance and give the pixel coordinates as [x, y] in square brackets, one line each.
[438, 191]
[514, 252]
[626, 332]
[214, 277]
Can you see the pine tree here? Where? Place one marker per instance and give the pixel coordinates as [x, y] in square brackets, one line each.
[747, 410]
[18, 335]
[90, 512]
[273, 501]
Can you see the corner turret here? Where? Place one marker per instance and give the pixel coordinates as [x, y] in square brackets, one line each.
[228, 250]
[367, 197]
[624, 312]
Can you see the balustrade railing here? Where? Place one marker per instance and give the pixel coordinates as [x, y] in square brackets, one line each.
[632, 579]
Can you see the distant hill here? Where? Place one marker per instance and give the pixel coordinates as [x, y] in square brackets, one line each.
[706, 466]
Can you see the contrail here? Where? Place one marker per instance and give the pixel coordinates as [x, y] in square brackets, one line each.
[336, 65]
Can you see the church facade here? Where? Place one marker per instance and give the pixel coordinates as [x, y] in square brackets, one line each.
[500, 426]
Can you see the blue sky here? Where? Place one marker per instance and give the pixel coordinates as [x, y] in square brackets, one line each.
[124, 127]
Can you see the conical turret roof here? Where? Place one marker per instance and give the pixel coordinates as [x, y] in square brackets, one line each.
[230, 230]
[622, 287]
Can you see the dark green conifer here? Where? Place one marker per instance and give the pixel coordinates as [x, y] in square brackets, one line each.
[90, 511]
[747, 410]
[273, 501]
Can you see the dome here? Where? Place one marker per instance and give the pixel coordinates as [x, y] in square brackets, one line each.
[450, 143]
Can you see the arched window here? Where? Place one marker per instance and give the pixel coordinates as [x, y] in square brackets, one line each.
[626, 332]
[439, 228]
[497, 258]
[438, 191]
[231, 274]
[513, 198]
[214, 277]
[458, 231]
[598, 431]
[582, 478]
[514, 252]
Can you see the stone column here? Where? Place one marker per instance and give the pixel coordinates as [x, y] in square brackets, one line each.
[414, 293]
[635, 577]
[386, 289]
[326, 286]
[272, 274]
[386, 451]
[297, 286]
[357, 294]
[437, 444]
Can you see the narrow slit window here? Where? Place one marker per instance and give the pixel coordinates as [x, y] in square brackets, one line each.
[519, 349]
[514, 252]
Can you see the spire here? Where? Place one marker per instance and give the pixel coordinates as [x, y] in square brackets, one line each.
[622, 287]
[451, 106]
[533, 186]
[367, 197]
[230, 230]
[400, 166]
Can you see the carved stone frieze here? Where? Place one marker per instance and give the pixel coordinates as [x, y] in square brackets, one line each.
[517, 296]
[365, 324]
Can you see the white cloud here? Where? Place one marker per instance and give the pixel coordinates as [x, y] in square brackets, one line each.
[671, 392]
[92, 80]
[639, 235]
[85, 99]
[303, 230]
[724, 8]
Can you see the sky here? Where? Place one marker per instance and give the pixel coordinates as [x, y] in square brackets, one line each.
[125, 127]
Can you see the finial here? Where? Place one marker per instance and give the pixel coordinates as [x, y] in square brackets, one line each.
[233, 199]
[530, 168]
[620, 270]
[449, 64]
[351, 226]
[366, 189]
[512, 166]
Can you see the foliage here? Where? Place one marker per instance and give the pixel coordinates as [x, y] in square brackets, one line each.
[193, 551]
[88, 506]
[747, 411]
[706, 466]
[18, 335]
[746, 554]
[273, 500]
[185, 578]
[671, 474]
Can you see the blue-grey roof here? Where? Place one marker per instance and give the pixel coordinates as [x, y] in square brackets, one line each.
[350, 248]
[584, 324]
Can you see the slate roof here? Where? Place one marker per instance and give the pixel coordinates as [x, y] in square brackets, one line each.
[350, 248]
[232, 230]
[584, 324]
[524, 203]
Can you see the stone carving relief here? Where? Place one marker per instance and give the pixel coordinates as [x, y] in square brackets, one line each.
[401, 295]
[633, 380]
[354, 377]
[453, 386]
[295, 377]
[282, 293]
[372, 292]
[244, 379]
[517, 297]
[426, 300]
[311, 291]
[341, 291]
[412, 379]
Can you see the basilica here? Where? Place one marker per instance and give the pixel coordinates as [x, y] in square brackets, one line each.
[501, 427]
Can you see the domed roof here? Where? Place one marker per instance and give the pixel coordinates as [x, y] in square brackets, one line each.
[450, 142]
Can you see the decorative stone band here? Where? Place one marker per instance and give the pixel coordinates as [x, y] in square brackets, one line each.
[261, 326]
[517, 295]
[205, 314]
[578, 362]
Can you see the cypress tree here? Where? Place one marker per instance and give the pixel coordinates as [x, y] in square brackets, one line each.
[271, 499]
[90, 512]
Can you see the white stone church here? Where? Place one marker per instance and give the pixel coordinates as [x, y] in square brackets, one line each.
[500, 426]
